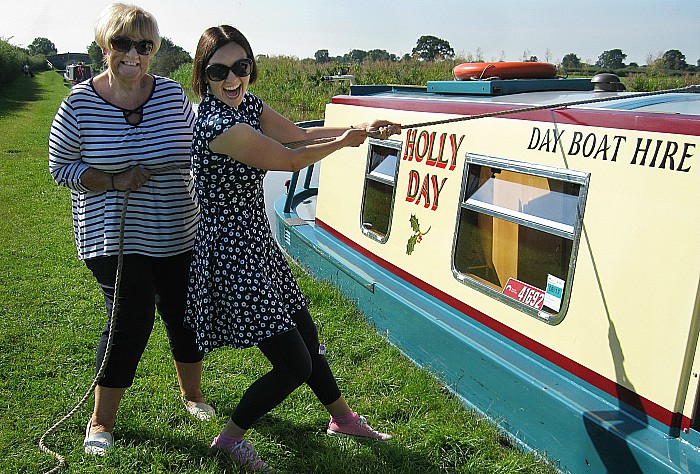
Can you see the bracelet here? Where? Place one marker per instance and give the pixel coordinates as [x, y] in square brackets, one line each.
[114, 188]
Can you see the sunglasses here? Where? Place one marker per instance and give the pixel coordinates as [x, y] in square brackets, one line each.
[219, 72]
[123, 44]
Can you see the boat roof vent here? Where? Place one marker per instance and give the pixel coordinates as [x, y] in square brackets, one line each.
[607, 82]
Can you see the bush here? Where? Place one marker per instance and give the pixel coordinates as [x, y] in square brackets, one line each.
[12, 58]
[183, 75]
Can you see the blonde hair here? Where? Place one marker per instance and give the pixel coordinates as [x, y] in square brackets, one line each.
[122, 19]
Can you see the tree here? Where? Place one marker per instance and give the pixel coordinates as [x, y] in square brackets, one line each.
[168, 58]
[431, 48]
[673, 59]
[380, 55]
[357, 55]
[95, 53]
[321, 56]
[42, 46]
[611, 59]
[548, 55]
[571, 61]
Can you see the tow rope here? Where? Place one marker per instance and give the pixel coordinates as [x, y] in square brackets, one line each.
[117, 283]
[382, 132]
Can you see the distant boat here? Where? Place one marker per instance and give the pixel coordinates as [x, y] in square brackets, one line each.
[76, 73]
[544, 265]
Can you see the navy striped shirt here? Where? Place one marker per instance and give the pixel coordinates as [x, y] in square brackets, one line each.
[88, 132]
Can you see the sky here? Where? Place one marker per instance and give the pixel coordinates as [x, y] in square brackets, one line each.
[496, 29]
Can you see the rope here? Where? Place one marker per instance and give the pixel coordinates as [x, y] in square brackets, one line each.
[120, 260]
[692, 89]
[110, 336]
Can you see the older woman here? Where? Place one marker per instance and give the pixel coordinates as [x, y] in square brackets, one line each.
[242, 292]
[127, 130]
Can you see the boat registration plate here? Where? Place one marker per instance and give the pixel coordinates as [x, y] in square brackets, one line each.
[527, 294]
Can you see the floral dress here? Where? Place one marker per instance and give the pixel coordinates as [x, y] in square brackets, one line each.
[241, 288]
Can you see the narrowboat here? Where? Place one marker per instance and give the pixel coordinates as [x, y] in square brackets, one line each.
[535, 244]
[76, 73]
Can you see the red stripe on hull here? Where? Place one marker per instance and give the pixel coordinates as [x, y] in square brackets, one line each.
[659, 413]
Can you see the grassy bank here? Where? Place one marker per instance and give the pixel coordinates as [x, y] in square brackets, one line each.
[52, 312]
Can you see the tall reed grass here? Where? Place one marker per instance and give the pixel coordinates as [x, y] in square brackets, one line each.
[294, 87]
[657, 81]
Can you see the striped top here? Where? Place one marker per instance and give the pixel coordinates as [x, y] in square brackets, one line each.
[89, 132]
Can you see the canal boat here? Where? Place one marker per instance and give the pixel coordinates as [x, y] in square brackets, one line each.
[76, 73]
[535, 244]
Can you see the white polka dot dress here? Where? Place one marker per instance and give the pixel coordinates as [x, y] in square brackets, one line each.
[241, 288]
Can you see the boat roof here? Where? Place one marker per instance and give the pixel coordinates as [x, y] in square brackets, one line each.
[535, 92]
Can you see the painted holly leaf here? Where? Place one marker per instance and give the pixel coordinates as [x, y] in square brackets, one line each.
[411, 244]
[414, 223]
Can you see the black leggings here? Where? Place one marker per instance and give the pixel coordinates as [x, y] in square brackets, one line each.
[295, 359]
[147, 283]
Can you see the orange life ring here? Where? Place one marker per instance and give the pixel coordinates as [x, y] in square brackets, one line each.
[505, 70]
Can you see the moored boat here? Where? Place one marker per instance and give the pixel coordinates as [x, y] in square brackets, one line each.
[76, 73]
[542, 260]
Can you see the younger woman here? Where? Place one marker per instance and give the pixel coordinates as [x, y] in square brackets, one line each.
[242, 292]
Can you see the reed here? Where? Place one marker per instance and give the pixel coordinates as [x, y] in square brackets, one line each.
[294, 88]
[657, 81]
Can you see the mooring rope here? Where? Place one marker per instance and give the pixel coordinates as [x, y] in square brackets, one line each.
[110, 336]
[692, 89]
[117, 283]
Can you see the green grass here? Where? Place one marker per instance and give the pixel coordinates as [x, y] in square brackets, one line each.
[51, 313]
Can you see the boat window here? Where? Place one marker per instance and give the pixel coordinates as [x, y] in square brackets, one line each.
[518, 231]
[380, 186]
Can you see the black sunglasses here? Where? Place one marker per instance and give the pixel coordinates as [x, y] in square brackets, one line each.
[219, 72]
[123, 44]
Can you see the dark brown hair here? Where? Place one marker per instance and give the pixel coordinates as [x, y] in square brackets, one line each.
[210, 41]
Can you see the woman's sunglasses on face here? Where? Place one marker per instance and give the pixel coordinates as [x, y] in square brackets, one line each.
[123, 44]
[219, 72]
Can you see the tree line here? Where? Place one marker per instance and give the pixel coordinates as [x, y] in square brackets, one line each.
[428, 48]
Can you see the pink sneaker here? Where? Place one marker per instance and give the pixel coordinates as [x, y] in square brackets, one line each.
[356, 428]
[243, 454]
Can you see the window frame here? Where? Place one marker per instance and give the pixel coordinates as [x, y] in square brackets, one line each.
[395, 145]
[580, 178]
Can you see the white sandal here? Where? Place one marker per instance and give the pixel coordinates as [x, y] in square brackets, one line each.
[97, 443]
[200, 410]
